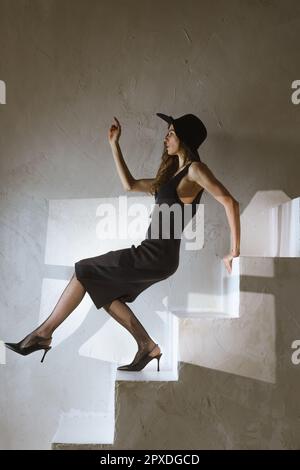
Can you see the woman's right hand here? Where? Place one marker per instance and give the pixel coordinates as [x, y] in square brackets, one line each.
[114, 131]
[228, 259]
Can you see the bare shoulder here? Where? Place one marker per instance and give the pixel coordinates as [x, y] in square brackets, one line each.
[196, 170]
[201, 174]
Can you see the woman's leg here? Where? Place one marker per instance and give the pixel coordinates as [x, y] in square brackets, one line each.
[68, 301]
[125, 316]
[71, 298]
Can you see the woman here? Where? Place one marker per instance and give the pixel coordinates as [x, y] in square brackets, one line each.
[119, 276]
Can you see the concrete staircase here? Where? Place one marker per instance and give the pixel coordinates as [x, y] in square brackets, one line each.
[234, 330]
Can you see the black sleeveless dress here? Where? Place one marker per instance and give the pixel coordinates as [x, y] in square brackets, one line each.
[123, 274]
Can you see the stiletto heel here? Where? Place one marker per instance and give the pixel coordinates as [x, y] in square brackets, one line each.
[158, 358]
[142, 362]
[45, 352]
[37, 343]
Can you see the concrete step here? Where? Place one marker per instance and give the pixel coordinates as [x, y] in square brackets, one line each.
[270, 225]
[246, 345]
[78, 427]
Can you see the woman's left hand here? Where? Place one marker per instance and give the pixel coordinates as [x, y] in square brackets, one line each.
[228, 261]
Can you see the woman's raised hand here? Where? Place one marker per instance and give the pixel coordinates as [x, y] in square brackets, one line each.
[114, 131]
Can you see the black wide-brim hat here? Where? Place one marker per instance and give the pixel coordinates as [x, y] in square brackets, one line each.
[189, 128]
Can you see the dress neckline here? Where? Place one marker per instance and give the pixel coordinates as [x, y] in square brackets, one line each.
[198, 195]
[180, 170]
[173, 178]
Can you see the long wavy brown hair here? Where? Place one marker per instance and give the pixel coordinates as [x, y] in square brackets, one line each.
[169, 166]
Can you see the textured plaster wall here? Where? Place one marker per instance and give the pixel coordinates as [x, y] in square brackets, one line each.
[69, 67]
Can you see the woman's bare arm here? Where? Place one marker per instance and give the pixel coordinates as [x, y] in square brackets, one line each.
[122, 169]
[128, 181]
[201, 174]
[142, 185]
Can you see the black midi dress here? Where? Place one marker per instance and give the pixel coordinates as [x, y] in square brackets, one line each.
[123, 274]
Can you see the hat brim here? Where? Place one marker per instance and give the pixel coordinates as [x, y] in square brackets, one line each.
[166, 118]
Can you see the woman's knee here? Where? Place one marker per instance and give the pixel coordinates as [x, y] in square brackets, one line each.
[107, 306]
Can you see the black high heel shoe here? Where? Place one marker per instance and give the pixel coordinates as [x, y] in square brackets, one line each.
[36, 346]
[142, 362]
